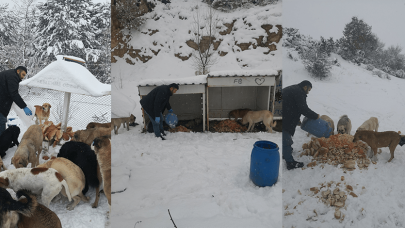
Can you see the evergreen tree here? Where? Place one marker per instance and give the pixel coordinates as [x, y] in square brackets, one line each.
[357, 37]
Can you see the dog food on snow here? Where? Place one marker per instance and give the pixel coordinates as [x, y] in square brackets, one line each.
[337, 149]
[229, 126]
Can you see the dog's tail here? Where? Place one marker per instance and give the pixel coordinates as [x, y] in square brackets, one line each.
[274, 124]
[64, 183]
[25, 208]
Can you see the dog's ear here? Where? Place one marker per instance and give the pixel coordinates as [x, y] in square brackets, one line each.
[49, 105]
[4, 182]
[24, 163]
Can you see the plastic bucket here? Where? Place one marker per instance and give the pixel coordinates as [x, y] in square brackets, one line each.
[319, 127]
[264, 163]
[171, 120]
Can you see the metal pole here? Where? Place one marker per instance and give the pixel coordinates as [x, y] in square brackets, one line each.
[65, 110]
[203, 98]
[208, 112]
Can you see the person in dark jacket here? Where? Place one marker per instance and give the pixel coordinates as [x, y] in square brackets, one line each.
[155, 103]
[294, 105]
[9, 83]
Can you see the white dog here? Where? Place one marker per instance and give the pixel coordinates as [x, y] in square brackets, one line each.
[370, 125]
[253, 117]
[41, 181]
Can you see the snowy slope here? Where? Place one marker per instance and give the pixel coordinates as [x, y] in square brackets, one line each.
[203, 178]
[354, 91]
[166, 32]
[83, 216]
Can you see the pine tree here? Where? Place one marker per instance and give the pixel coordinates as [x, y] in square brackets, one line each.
[357, 37]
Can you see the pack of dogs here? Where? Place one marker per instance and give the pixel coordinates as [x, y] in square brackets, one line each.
[82, 163]
[368, 133]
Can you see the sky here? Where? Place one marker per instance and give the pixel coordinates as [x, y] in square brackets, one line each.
[328, 18]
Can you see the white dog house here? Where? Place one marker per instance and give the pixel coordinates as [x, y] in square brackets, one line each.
[69, 75]
[229, 90]
[188, 102]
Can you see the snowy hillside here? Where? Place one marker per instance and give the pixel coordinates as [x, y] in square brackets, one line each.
[249, 40]
[354, 91]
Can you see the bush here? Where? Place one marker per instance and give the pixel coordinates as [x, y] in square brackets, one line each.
[377, 72]
[400, 73]
[316, 63]
[387, 76]
[370, 67]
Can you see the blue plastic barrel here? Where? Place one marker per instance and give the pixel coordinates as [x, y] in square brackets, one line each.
[319, 128]
[171, 120]
[264, 163]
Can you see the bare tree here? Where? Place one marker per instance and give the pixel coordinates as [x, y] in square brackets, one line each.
[204, 33]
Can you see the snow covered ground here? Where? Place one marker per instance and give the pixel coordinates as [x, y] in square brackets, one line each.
[354, 91]
[83, 216]
[203, 178]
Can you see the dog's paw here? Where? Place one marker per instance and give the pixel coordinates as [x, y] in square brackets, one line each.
[70, 207]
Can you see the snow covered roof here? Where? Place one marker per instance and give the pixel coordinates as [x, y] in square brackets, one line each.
[195, 80]
[243, 73]
[68, 76]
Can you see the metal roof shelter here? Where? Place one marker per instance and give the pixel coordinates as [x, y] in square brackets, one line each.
[229, 90]
[188, 102]
[69, 75]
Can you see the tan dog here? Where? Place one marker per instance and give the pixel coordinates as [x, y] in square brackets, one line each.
[238, 113]
[95, 125]
[2, 165]
[74, 178]
[42, 113]
[370, 125]
[87, 136]
[116, 122]
[330, 123]
[27, 212]
[344, 125]
[253, 117]
[102, 148]
[379, 139]
[31, 143]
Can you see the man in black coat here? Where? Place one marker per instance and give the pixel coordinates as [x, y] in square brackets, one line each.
[9, 83]
[155, 103]
[294, 105]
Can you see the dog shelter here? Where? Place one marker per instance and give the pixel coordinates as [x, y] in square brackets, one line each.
[188, 102]
[85, 99]
[229, 90]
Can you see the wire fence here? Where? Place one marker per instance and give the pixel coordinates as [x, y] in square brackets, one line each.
[83, 109]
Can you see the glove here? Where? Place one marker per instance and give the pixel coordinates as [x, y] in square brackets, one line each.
[27, 111]
[157, 119]
[171, 110]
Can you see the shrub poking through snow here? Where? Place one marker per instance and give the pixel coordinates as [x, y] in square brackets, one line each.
[337, 149]
[316, 62]
[370, 67]
[377, 72]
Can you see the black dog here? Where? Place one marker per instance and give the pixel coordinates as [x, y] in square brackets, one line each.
[83, 156]
[8, 139]
[7, 203]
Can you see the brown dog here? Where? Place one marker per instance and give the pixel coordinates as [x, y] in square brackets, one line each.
[102, 148]
[74, 178]
[2, 165]
[253, 117]
[31, 143]
[95, 125]
[379, 139]
[87, 136]
[238, 113]
[125, 121]
[30, 213]
[42, 113]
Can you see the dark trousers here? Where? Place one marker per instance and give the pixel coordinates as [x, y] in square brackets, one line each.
[3, 121]
[287, 149]
[157, 127]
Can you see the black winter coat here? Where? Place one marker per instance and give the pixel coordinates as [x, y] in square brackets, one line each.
[9, 83]
[157, 100]
[295, 105]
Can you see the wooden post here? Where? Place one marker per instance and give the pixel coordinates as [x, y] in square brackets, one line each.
[203, 98]
[274, 95]
[65, 110]
[208, 112]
